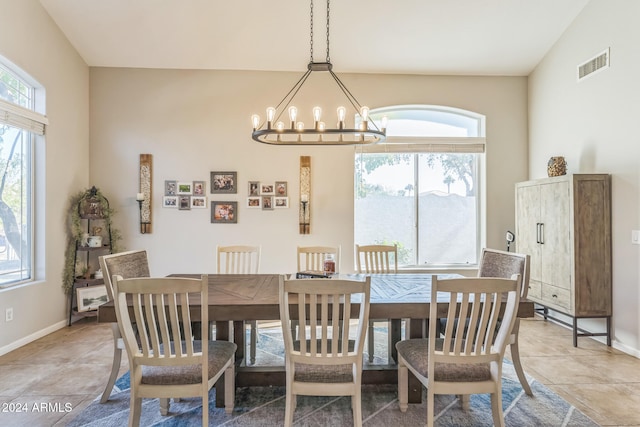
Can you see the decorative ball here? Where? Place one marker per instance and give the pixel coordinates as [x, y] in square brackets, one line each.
[557, 166]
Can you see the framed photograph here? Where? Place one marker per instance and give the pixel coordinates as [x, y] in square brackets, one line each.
[281, 202]
[254, 188]
[281, 188]
[224, 212]
[170, 202]
[185, 188]
[184, 203]
[170, 188]
[254, 202]
[224, 182]
[267, 203]
[267, 189]
[198, 188]
[198, 202]
[91, 297]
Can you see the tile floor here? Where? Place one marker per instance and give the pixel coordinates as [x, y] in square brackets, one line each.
[47, 382]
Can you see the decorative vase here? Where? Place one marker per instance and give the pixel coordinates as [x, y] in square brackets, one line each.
[557, 166]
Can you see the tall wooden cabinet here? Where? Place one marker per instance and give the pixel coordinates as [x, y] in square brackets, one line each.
[564, 224]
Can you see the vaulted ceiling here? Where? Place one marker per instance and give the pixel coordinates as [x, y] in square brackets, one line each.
[460, 37]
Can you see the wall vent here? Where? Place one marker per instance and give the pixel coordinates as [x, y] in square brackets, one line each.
[598, 63]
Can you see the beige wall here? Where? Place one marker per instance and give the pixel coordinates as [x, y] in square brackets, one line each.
[30, 39]
[593, 124]
[194, 122]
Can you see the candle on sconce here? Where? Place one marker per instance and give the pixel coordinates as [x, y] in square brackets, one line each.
[140, 197]
[304, 198]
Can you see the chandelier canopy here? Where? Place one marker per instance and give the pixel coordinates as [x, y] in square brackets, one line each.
[274, 131]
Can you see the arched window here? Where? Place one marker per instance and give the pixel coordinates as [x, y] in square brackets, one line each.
[420, 189]
[19, 125]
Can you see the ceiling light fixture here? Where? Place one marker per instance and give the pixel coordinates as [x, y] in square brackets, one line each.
[273, 131]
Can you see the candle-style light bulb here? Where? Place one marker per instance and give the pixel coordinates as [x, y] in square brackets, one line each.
[342, 112]
[317, 113]
[279, 126]
[385, 119]
[293, 114]
[271, 113]
[364, 113]
[300, 126]
[255, 119]
[321, 126]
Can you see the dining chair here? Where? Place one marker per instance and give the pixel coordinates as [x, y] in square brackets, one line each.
[128, 265]
[496, 263]
[165, 359]
[241, 259]
[467, 360]
[312, 258]
[323, 361]
[379, 259]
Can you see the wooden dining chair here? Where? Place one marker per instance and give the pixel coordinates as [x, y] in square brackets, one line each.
[127, 265]
[465, 360]
[311, 258]
[241, 259]
[379, 259]
[323, 361]
[165, 359]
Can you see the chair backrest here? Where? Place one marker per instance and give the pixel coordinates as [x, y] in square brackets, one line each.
[128, 265]
[496, 263]
[312, 257]
[377, 258]
[238, 259]
[325, 306]
[483, 338]
[162, 319]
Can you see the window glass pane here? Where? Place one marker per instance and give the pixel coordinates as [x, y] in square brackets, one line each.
[385, 203]
[15, 205]
[447, 206]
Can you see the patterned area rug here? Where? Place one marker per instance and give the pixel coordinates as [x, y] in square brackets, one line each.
[264, 406]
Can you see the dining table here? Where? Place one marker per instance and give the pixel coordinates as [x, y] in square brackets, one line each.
[241, 298]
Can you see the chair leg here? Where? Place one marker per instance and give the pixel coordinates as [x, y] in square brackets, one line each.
[430, 407]
[135, 411]
[515, 356]
[229, 389]
[370, 340]
[356, 407]
[254, 341]
[205, 407]
[403, 385]
[465, 400]
[115, 366]
[289, 408]
[165, 402]
[496, 407]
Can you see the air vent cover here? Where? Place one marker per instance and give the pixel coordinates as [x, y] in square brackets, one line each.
[592, 66]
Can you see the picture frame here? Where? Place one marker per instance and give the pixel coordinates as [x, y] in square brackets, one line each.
[184, 188]
[280, 202]
[267, 189]
[254, 202]
[199, 188]
[281, 189]
[254, 188]
[184, 203]
[170, 202]
[224, 212]
[267, 203]
[224, 182]
[198, 202]
[170, 188]
[91, 297]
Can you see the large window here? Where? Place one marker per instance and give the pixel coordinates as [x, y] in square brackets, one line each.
[18, 126]
[420, 190]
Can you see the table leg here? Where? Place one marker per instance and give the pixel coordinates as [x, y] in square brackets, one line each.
[222, 333]
[415, 386]
[395, 335]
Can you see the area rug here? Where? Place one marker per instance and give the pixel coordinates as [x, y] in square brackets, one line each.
[264, 406]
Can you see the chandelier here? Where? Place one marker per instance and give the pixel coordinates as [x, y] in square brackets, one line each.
[274, 131]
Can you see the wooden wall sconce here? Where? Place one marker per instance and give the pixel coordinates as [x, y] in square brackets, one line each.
[305, 195]
[144, 196]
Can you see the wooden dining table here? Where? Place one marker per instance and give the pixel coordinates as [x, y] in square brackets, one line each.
[245, 297]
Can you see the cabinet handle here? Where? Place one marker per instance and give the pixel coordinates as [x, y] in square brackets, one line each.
[537, 232]
[555, 296]
[542, 233]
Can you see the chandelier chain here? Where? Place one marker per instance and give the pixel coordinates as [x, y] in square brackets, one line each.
[328, 59]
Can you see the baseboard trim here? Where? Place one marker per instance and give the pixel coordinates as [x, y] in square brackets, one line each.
[31, 338]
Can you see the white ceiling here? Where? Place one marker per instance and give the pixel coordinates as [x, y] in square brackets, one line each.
[467, 37]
